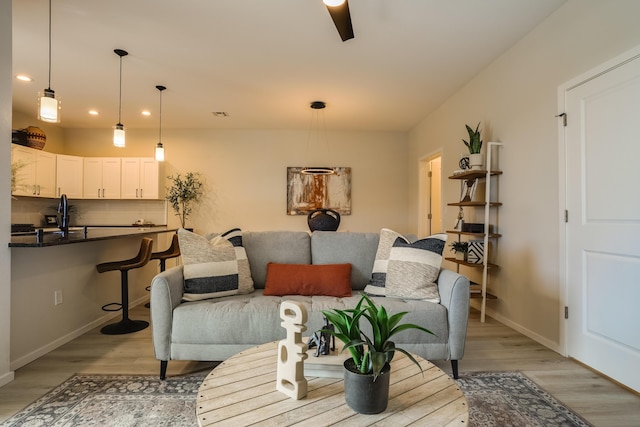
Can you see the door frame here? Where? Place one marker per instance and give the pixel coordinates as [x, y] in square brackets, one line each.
[563, 89]
[424, 191]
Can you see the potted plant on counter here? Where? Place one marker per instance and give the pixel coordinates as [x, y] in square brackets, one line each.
[475, 145]
[183, 193]
[367, 372]
[460, 248]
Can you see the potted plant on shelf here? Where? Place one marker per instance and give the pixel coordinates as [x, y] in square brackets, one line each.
[460, 248]
[183, 193]
[367, 372]
[475, 145]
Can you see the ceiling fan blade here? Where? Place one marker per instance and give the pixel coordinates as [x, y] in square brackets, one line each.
[342, 20]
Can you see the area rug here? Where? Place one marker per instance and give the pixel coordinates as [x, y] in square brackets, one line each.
[495, 399]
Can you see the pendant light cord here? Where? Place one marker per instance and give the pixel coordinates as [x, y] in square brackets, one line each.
[49, 86]
[120, 96]
[160, 126]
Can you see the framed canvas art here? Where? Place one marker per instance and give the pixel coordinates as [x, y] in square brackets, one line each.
[306, 193]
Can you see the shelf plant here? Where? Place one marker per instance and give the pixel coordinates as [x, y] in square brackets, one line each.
[475, 143]
[460, 248]
[370, 355]
[183, 193]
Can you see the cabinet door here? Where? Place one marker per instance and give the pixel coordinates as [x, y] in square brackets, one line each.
[69, 176]
[111, 178]
[92, 178]
[45, 174]
[23, 162]
[130, 178]
[149, 170]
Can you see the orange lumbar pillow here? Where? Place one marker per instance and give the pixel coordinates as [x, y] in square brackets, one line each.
[308, 279]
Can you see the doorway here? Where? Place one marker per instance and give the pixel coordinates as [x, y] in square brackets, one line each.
[430, 187]
[601, 232]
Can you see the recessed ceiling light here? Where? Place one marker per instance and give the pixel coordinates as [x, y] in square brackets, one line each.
[93, 112]
[24, 78]
[220, 114]
[146, 113]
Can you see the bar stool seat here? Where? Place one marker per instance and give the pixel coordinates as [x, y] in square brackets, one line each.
[126, 325]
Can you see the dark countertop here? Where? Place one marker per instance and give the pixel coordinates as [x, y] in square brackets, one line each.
[83, 234]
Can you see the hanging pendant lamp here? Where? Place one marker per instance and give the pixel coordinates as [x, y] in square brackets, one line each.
[48, 105]
[316, 107]
[118, 129]
[159, 146]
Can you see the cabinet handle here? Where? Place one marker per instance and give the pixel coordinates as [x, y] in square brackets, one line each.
[98, 193]
[136, 193]
[35, 190]
[38, 189]
[141, 194]
[58, 191]
[103, 193]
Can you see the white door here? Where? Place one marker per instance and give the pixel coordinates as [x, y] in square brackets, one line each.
[430, 200]
[603, 228]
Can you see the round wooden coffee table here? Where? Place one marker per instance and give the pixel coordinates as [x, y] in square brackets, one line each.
[242, 391]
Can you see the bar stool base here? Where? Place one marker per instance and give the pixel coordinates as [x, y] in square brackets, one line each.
[124, 327]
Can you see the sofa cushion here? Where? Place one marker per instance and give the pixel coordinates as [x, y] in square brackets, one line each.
[357, 249]
[306, 279]
[284, 247]
[413, 268]
[210, 267]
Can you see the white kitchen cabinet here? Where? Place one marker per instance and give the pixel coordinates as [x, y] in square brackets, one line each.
[35, 172]
[69, 176]
[101, 178]
[140, 178]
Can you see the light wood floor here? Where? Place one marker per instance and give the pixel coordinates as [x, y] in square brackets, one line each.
[490, 347]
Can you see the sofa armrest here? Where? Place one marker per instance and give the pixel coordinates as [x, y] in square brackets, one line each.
[166, 294]
[454, 295]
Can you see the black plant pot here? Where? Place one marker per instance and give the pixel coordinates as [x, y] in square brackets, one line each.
[362, 393]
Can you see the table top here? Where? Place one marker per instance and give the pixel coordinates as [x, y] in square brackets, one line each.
[242, 391]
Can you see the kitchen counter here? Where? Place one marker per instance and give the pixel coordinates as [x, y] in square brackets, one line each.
[53, 237]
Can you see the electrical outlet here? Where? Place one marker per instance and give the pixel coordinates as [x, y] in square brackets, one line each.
[57, 297]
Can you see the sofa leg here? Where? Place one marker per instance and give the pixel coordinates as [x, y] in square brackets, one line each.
[163, 369]
[454, 368]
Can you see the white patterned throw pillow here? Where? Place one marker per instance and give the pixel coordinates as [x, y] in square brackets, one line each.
[376, 286]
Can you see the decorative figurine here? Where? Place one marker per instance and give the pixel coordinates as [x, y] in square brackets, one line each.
[292, 351]
[321, 340]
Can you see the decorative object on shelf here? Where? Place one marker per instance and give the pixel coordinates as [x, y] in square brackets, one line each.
[475, 146]
[306, 193]
[367, 372]
[48, 105]
[473, 227]
[316, 107]
[118, 129]
[475, 255]
[159, 146]
[468, 189]
[460, 248]
[323, 220]
[36, 138]
[460, 220]
[292, 351]
[183, 193]
[322, 341]
[463, 164]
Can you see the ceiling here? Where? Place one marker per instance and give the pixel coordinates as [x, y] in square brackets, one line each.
[260, 61]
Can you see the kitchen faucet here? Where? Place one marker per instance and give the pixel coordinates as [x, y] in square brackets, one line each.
[63, 214]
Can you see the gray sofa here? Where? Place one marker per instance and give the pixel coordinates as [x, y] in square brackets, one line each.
[215, 329]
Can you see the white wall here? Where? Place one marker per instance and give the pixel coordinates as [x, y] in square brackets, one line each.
[245, 173]
[6, 375]
[516, 100]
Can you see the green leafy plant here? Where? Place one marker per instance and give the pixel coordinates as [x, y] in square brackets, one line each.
[459, 246]
[183, 193]
[370, 354]
[475, 143]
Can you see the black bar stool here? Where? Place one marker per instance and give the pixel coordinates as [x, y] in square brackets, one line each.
[126, 325]
[172, 252]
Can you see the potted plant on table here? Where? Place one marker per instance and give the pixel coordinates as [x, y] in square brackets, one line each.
[460, 248]
[475, 145]
[367, 372]
[183, 193]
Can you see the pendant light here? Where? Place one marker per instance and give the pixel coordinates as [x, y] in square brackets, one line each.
[316, 110]
[48, 105]
[159, 147]
[118, 129]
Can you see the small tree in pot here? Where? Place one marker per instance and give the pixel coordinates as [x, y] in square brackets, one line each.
[184, 192]
[367, 372]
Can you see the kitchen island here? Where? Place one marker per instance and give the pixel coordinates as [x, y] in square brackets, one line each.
[57, 293]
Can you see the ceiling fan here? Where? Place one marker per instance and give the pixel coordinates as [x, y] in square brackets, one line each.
[339, 11]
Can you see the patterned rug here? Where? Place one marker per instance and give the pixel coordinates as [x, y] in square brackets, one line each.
[495, 399]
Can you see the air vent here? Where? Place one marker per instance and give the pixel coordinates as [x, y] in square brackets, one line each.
[220, 114]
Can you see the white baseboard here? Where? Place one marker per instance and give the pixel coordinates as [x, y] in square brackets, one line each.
[28, 358]
[524, 331]
[7, 378]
